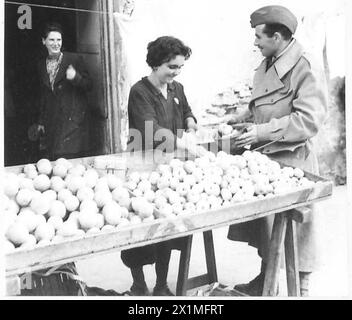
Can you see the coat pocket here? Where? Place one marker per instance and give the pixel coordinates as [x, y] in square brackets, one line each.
[274, 98]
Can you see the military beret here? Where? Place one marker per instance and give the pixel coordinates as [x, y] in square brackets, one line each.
[274, 14]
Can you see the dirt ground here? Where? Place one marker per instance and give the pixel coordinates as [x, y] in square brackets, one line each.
[238, 263]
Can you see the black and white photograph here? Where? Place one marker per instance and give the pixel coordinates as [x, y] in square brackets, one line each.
[175, 149]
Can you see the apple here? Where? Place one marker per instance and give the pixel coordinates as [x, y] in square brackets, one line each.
[30, 243]
[100, 221]
[176, 163]
[193, 196]
[41, 182]
[240, 162]
[71, 203]
[60, 170]
[28, 218]
[113, 181]
[63, 194]
[131, 185]
[164, 211]
[40, 204]
[212, 189]
[298, 173]
[107, 228]
[189, 179]
[85, 193]
[75, 183]
[198, 174]
[44, 231]
[56, 221]
[144, 176]
[177, 208]
[88, 205]
[189, 166]
[67, 229]
[26, 183]
[135, 177]
[144, 185]
[190, 207]
[87, 220]
[50, 194]
[102, 197]
[91, 178]
[77, 170]
[202, 205]
[57, 208]
[119, 194]
[160, 200]
[135, 220]
[154, 177]
[57, 183]
[164, 169]
[183, 188]
[225, 129]
[93, 230]
[29, 167]
[8, 246]
[149, 195]
[163, 182]
[102, 184]
[24, 197]
[44, 167]
[64, 162]
[226, 194]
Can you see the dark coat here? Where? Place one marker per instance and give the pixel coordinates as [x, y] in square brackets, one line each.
[146, 103]
[64, 110]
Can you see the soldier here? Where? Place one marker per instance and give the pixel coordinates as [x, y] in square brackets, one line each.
[289, 106]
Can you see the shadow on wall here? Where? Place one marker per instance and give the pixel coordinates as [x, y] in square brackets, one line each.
[332, 138]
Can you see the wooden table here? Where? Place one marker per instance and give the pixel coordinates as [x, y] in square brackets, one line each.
[21, 262]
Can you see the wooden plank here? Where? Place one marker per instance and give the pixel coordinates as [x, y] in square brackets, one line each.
[291, 258]
[210, 257]
[275, 253]
[183, 270]
[198, 281]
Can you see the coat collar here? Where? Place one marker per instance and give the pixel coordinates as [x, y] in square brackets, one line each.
[149, 85]
[288, 60]
[268, 81]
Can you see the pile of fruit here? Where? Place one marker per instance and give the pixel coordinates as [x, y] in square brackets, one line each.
[212, 182]
[49, 202]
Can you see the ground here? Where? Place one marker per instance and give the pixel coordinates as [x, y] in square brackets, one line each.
[238, 263]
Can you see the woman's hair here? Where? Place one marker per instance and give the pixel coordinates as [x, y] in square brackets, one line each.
[51, 27]
[164, 49]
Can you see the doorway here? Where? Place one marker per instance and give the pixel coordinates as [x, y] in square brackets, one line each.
[23, 48]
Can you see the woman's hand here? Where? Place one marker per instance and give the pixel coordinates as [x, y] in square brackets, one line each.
[248, 138]
[70, 72]
[191, 125]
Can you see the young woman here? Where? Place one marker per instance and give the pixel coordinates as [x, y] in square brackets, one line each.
[158, 108]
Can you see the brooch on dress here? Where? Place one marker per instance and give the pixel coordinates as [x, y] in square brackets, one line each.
[176, 100]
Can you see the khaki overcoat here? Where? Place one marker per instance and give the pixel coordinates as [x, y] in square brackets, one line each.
[289, 104]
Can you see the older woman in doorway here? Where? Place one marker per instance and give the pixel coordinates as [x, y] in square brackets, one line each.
[64, 83]
[157, 103]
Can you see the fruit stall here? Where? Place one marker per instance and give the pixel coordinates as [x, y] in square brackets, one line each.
[66, 210]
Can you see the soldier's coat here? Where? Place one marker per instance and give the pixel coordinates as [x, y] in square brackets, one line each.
[289, 102]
